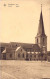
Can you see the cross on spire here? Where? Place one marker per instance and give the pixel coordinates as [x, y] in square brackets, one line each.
[41, 7]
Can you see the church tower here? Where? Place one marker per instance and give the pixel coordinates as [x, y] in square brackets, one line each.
[41, 38]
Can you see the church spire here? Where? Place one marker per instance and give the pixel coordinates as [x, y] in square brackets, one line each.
[41, 7]
[41, 38]
[41, 25]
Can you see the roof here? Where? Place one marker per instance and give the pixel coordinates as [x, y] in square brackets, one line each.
[41, 26]
[27, 46]
[48, 51]
[33, 47]
[18, 48]
[4, 44]
[4, 51]
[8, 50]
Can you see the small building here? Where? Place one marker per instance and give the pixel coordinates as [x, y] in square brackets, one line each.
[48, 56]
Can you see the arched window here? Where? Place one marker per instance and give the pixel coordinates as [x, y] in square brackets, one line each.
[43, 40]
[31, 55]
[37, 40]
[16, 44]
[21, 50]
[35, 56]
[10, 55]
[23, 55]
[18, 55]
[27, 55]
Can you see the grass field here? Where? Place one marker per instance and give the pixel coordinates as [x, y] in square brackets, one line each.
[13, 69]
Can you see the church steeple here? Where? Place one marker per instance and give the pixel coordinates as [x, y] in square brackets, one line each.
[41, 38]
[41, 25]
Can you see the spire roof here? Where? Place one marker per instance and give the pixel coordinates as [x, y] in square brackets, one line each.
[41, 25]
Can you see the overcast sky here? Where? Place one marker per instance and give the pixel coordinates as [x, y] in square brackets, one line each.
[20, 24]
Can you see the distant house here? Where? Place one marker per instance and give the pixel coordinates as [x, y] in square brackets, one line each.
[48, 55]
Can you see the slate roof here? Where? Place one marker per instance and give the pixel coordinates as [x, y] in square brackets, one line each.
[41, 30]
[27, 46]
[32, 48]
[8, 50]
[4, 44]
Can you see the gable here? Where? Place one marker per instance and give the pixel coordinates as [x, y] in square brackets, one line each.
[20, 49]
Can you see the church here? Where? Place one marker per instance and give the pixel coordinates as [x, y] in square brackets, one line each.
[26, 51]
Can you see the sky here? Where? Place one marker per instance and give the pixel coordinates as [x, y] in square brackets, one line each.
[19, 21]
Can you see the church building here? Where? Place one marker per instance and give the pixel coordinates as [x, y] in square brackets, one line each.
[26, 51]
